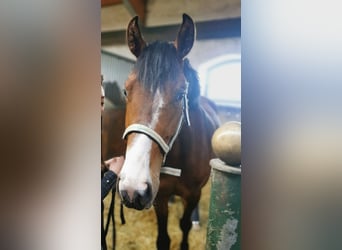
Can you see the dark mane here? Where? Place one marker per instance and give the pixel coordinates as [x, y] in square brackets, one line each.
[157, 64]
[194, 86]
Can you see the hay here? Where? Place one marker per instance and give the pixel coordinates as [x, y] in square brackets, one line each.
[140, 230]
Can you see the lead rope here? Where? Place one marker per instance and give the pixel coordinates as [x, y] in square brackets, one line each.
[104, 230]
[103, 234]
[122, 216]
[111, 217]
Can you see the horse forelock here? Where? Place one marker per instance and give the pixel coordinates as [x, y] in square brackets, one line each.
[157, 64]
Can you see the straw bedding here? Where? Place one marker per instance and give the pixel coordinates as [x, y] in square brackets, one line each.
[140, 230]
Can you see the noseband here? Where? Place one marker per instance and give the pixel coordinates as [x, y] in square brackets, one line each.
[142, 129]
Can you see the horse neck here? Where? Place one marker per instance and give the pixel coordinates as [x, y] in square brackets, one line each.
[204, 122]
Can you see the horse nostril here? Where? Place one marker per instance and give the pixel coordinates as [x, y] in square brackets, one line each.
[143, 197]
[148, 191]
[138, 199]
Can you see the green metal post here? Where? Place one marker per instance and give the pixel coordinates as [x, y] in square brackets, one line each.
[224, 225]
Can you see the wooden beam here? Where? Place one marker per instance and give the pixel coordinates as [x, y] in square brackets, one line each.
[136, 8]
[217, 29]
[110, 2]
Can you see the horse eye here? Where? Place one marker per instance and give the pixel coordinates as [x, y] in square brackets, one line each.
[124, 92]
[179, 96]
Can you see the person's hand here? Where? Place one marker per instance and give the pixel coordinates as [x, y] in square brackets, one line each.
[115, 164]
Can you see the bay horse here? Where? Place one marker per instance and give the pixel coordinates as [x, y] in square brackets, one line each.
[113, 122]
[167, 129]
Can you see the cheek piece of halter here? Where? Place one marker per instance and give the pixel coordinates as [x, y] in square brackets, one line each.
[142, 129]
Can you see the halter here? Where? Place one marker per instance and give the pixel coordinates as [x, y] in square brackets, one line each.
[142, 129]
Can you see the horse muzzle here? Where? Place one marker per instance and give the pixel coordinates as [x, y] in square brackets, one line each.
[138, 199]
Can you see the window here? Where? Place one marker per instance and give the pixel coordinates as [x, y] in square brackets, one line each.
[221, 80]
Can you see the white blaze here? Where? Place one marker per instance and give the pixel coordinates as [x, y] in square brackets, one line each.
[158, 104]
[135, 172]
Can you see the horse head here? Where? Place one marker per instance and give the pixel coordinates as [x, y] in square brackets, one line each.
[156, 105]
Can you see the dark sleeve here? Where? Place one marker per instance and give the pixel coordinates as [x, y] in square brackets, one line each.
[107, 183]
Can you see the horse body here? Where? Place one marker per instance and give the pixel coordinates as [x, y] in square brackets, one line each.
[191, 153]
[113, 125]
[162, 96]
[113, 122]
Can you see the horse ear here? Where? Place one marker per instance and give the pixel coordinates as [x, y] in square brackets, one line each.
[135, 41]
[186, 36]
